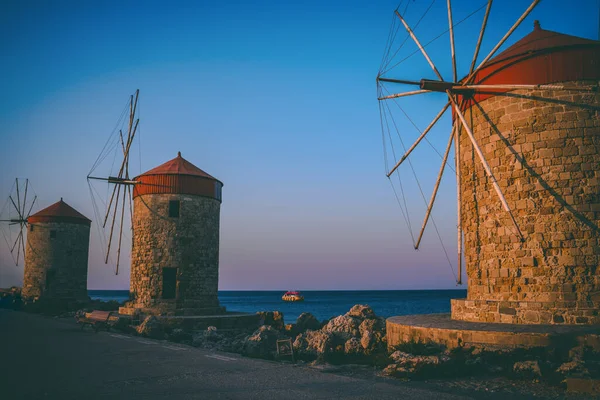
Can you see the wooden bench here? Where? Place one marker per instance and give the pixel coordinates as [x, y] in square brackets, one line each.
[96, 319]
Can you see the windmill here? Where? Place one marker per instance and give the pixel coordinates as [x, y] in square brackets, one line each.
[175, 210]
[120, 198]
[15, 213]
[520, 71]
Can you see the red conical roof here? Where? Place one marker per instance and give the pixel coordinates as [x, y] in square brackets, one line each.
[541, 57]
[177, 176]
[541, 40]
[59, 212]
[178, 166]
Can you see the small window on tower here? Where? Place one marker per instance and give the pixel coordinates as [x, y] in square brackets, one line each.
[174, 208]
[52, 234]
[30, 228]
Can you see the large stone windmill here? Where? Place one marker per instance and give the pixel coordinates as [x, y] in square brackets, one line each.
[526, 133]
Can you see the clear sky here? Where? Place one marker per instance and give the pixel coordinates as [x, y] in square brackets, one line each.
[276, 99]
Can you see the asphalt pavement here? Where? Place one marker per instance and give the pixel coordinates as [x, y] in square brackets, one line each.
[51, 358]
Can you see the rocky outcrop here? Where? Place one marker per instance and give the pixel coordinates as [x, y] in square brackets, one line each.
[208, 338]
[361, 311]
[271, 318]
[527, 369]
[358, 334]
[312, 344]
[343, 327]
[372, 335]
[405, 364]
[307, 321]
[262, 343]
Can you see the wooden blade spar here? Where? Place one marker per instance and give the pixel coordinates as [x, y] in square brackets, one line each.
[414, 38]
[480, 39]
[457, 159]
[486, 166]
[421, 137]
[435, 190]
[504, 38]
[451, 29]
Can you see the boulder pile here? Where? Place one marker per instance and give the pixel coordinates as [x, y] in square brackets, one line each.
[357, 336]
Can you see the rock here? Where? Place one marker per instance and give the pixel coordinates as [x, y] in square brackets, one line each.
[407, 364]
[307, 321]
[527, 369]
[263, 343]
[151, 328]
[399, 356]
[179, 335]
[343, 326]
[198, 339]
[353, 347]
[572, 368]
[361, 311]
[236, 344]
[312, 344]
[376, 324]
[372, 333]
[207, 338]
[577, 353]
[373, 342]
[212, 335]
[272, 318]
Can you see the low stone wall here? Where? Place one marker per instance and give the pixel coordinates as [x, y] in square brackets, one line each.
[222, 322]
[169, 309]
[526, 312]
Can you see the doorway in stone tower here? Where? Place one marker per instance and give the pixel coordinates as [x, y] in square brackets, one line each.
[169, 283]
[50, 274]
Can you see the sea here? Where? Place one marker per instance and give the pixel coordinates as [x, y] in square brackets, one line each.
[325, 304]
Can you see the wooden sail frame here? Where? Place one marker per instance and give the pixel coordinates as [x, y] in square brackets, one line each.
[23, 210]
[121, 191]
[456, 91]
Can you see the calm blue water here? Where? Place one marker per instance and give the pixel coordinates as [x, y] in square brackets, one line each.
[326, 304]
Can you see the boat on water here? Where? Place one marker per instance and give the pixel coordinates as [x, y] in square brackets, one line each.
[292, 296]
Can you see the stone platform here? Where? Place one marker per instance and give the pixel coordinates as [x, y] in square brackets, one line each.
[440, 328]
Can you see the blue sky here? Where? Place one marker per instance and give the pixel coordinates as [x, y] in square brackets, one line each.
[275, 99]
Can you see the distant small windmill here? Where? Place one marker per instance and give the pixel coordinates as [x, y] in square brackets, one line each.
[15, 212]
[121, 193]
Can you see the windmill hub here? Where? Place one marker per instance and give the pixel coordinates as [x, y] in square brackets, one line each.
[436, 86]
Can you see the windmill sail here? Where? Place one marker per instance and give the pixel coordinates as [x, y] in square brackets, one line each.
[13, 218]
[113, 218]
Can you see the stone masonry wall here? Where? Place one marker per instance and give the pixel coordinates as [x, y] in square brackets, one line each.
[189, 243]
[545, 155]
[56, 267]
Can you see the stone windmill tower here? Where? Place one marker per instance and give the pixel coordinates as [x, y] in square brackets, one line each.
[543, 146]
[56, 256]
[526, 135]
[175, 250]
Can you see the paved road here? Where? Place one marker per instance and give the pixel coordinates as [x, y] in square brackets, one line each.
[48, 358]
